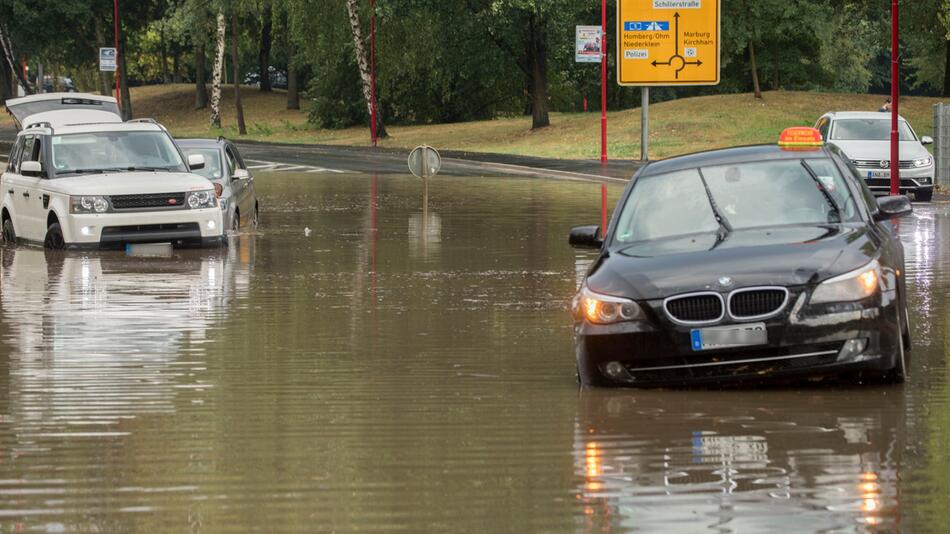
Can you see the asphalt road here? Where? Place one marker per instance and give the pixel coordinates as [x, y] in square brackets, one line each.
[336, 159]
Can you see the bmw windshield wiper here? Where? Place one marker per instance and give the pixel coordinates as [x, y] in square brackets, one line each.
[725, 228]
[824, 191]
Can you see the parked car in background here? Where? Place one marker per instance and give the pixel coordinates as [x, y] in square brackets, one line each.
[865, 138]
[232, 180]
[278, 78]
[80, 177]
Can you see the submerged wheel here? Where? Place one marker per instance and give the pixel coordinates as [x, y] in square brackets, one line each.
[923, 195]
[54, 237]
[235, 223]
[9, 235]
[898, 373]
[255, 221]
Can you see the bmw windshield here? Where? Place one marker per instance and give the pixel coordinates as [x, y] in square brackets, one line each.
[722, 199]
[97, 152]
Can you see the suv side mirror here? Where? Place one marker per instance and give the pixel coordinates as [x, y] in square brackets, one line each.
[586, 237]
[892, 207]
[241, 174]
[196, 162]
[31, 168]
[926, 140]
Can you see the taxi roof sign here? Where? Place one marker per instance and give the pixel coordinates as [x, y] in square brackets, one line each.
[668, 42]
[800, 136]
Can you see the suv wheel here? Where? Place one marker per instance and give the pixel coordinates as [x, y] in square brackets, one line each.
[923, 195]
[54, 237]
[9, 235]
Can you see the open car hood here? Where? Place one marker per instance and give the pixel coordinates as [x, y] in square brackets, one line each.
[61, 109]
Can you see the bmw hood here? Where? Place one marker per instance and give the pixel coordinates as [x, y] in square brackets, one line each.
[130, 183]
[881, 150]
[785, 256]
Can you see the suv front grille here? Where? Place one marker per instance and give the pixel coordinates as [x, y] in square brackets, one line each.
[876, 163]
[693, 309]
[149, 201]
[753, 303]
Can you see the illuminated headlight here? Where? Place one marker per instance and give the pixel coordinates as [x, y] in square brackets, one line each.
[924, 162]
[88, 204]
[849, 287]
[201, 199]
[604, 309]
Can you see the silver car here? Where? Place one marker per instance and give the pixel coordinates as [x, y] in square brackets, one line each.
[234, 183]
[865, 138]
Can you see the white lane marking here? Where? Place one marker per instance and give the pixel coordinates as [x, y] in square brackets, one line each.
[273, 166]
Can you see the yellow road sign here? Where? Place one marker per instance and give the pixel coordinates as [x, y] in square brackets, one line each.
[668, 42]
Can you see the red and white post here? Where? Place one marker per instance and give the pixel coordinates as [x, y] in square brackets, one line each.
[603, 82]
[895, 95]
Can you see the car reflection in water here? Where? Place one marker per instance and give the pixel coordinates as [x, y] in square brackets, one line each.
[104, 337]
[823, 460]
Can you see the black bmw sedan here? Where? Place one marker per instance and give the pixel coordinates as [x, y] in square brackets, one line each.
[748, 263]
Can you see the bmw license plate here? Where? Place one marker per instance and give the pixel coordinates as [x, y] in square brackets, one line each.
[879, 174]
[725, 337]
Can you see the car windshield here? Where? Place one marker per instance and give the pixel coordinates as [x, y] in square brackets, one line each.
[869, 130]
[735, 197]
[212, 169]
[114, 151]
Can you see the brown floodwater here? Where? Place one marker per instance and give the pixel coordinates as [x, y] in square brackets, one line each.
[365, 362]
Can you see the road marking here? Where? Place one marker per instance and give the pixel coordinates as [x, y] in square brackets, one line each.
[273, 166]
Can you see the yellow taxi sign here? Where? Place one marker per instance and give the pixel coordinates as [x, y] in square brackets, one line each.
[668, 42]
[800, 137]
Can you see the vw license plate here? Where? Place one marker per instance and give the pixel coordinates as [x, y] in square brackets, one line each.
[879, 174]
[724, 337]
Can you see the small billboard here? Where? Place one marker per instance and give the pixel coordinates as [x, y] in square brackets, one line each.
[589, 44]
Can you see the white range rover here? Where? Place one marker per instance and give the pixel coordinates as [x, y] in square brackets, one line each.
[80, 177]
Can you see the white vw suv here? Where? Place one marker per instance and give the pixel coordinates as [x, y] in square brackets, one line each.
[79, 177]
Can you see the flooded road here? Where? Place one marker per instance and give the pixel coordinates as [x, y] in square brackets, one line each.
[368, 361]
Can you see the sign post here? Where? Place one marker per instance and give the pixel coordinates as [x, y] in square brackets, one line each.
[590, 47]
[895, 96]
[667, 43]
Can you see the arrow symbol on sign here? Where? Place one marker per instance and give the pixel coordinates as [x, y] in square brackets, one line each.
[676, 36]
[655, 63]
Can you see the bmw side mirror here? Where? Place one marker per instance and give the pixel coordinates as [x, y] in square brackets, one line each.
[241, 174]
[31, 168]
[892, 207]
[586, 237]
[926, 140]
[196, 162]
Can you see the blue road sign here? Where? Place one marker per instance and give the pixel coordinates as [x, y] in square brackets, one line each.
[646, 26]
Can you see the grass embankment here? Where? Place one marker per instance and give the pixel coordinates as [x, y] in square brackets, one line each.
[676, 127]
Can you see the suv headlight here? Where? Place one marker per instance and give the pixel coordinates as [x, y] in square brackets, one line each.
[88, 204]
[604, 309]
[849, 287]
[201, 199]
[924, 162]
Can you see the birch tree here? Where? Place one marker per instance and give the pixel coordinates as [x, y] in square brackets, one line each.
[359, 47]
[216, 75]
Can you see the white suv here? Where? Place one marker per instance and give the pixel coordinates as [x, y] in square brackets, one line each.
[80, 177]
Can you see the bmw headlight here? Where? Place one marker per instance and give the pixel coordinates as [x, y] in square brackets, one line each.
[604, 309]
[849, 287]
[201, 199]
[924, 162]
[88, 204]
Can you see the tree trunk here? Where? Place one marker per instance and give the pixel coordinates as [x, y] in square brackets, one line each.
[201, 90]
[176, 65]
[266, 38]
[124, 78]
[352, 9]
[10, 55]
[216, 75]
[755, 71]
[293, 93]
[4, 83]
[105, 81]
[946, 72]
[537, 57]
[164, 53]
[242, 129]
